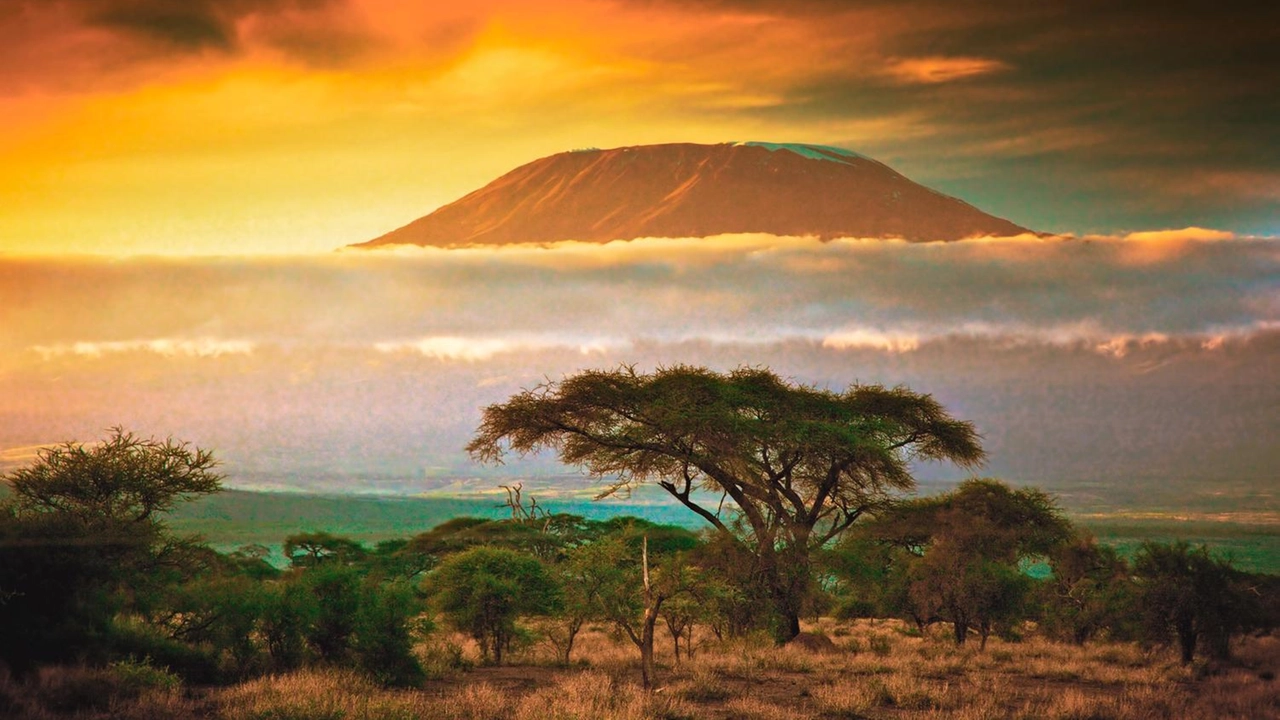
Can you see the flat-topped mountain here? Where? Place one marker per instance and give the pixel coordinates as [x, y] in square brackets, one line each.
[688, 190]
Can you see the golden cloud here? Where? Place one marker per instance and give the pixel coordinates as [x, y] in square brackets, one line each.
[939, 69]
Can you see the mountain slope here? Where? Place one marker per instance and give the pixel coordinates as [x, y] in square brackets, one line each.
[688, 190]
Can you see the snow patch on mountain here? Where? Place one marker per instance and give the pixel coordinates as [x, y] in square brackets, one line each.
[812, 152]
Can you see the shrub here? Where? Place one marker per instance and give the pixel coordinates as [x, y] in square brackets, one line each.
[139, 643]
[286, 612]
[383, 641]
[137, 676]
[483, 590]
[336, 592]
[1188, 593]
[880, 645]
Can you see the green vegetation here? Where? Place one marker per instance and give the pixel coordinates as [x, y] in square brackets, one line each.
[961, 554]
[484, 590]
[83, 541]
[93, 575]
[1252, 548]
[239, 517]
[801, 465]
[233, 518]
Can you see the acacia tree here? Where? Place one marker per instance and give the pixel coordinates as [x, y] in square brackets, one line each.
[1091, 591]
[124, 480]
[1186, 592]
[627, 591]
[315, 548]
[82, 536]
[800, 464]
[965, 549]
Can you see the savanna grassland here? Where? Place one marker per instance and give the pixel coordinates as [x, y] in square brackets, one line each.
[875, 669]
[826, 589]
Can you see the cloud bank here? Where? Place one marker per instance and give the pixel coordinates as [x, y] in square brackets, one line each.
[1194, 285]
[1080, 359]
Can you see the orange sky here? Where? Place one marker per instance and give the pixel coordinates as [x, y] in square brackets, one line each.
[269, 126]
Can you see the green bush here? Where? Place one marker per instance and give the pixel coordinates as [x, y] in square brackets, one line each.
[384, 629]
[137, 643]
[137, 676]
[1186, 593]
[483, 590]
[287, 611]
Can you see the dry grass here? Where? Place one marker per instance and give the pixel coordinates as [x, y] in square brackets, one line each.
[883, 671]
[128, 691]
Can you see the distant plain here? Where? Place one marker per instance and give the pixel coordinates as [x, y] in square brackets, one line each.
[238, 517]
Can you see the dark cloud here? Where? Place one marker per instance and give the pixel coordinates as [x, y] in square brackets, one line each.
[1063, 116]
[97, 44]
[185, 25]
[1095, 105]
[188, 24]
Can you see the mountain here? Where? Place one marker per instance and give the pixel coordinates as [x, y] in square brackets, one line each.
[688, 190]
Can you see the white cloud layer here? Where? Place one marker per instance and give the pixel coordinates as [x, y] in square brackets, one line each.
[478, 348]
[1151, 354]
[473, 304]
[167, 347]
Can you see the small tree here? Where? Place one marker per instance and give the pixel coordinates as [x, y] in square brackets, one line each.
[968, 547]
[124, 480]
[630, 587]
[730, 588]
[220, 610]
[82, 537]
[1192, 595]
[1091, 592]
[314, 548]
[384, 629]
[581, 586]
[680, 615]
[335, 591]
[971, 592]
[288, 609]
[484, 590]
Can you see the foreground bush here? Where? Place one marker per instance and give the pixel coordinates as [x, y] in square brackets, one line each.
[483, 590]
[123, 687]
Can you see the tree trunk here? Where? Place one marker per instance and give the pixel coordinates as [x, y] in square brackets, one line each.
[918, 620]
[646, 645]
[792, 626]
[571, 635]
[786, 588]
[961, 625]
[1187, 642]
[1219, 644]
[652, 604]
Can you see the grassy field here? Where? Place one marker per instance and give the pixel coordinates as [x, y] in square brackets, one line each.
[236, 517]
[871, 669]
[1251, 547]
[877, 669]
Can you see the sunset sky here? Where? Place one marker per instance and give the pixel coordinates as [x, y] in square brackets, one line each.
[282, 126]
[175, 178]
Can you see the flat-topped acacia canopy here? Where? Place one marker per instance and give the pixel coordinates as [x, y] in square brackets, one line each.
[801, 464]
